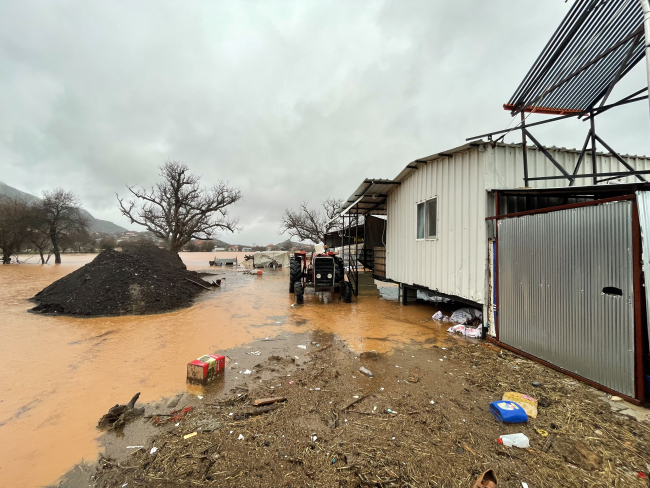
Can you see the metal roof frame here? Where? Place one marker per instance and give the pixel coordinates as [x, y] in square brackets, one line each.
[595, 45]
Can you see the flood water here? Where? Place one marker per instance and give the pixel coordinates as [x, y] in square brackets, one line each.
[58, 375]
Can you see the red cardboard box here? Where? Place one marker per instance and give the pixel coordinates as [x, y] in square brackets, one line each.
[205, 368]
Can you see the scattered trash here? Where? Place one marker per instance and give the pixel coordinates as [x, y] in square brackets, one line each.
[153, 450]
[536, 384]
[134, 447]
[515, 440]
[200, 397]
[437, 315]
[366, 371]
[467, 316]
[248, 371]
[173, 417]
[508, 411]
[641, 475]
[189, 435]
[268, 401]
[302, 347]
[616, 399]
[432, 402]
[542, 432]
[528, 403]
[487, 480]
[466, 331]
[524, 484]
[314, 438]
[241, 436]
[205, 368]
[255, 353]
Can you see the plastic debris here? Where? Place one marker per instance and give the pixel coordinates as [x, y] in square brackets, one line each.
[153, 450]
[467, 316]
[248, 371]
[528, 403]
[515, 440]
[189, 435]
[542, 432]
[437, 316]
[200, 397]
[508, 411]
[366, 371]
[255, 353]
[134, 447]
[466, 331]
[241, 437]
[302, 347]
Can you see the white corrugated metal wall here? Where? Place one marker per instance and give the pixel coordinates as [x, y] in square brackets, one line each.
[454, 263]
[505, 167]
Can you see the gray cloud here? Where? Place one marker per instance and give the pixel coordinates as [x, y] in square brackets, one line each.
[287, 100]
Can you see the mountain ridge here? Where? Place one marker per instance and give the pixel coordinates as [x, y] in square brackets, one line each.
[95, 225]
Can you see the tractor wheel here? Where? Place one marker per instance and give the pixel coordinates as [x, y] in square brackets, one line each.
[339, 270]
[299, 292]
[294, 273]
[346, 292]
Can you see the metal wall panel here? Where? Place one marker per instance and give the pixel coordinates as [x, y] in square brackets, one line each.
[505, 167]
[453, 263]
[643, 202]
[552, 269]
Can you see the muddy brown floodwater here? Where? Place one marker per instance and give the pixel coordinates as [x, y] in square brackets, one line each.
[58, 375]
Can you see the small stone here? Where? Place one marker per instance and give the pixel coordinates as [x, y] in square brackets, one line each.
[536, 384]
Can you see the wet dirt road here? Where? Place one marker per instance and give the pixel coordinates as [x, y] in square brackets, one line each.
[58, 375]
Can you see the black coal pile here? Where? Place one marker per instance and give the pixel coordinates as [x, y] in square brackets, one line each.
[140, 280]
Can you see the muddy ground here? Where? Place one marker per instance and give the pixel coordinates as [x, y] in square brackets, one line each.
[421, 421]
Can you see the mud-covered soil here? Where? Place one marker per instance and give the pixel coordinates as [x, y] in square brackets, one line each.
[434, 430]
[140, 280]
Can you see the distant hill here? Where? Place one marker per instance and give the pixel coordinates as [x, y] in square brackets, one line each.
[95, 225]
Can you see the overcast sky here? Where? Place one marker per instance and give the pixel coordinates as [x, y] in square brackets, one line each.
[289, 101]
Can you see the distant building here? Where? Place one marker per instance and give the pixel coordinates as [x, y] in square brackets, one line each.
[246, 249]
[233, 248]
[217, 249]
[270, 247]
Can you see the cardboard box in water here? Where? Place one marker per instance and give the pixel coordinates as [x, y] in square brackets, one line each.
[205, 368]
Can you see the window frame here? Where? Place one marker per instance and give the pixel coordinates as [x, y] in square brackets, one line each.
[426, 219]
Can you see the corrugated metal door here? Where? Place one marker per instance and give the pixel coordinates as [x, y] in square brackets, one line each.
[566, 290]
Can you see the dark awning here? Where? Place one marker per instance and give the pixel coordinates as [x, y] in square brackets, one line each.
[596, 44]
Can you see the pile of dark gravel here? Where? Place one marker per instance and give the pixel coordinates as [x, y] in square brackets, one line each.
[141, 280]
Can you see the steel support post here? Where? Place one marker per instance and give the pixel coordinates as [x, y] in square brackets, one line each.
[593, 147]
[645, 5]
[524, 148]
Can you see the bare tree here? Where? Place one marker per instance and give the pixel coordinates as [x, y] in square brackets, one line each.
[62, 215]
[14, 213]
[178, 209]
[311, 224]
[37, 232]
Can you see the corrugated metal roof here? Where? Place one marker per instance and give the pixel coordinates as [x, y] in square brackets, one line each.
[596, 44]
[370, 197]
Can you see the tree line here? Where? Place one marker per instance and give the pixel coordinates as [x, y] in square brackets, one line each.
[47, 225]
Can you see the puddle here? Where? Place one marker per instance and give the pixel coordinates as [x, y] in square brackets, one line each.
[60, 374]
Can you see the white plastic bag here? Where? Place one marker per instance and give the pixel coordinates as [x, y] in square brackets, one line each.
[437, 315]
[466, 316]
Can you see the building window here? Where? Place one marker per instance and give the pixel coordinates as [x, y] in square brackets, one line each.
[427, 219]
[421, 220]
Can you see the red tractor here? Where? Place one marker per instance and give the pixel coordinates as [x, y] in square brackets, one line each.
[324, 272]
